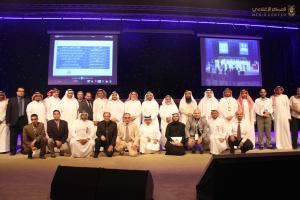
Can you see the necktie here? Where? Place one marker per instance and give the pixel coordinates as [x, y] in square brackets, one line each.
[239, 134]
[20, 106]
[57, 124]
[127, 134]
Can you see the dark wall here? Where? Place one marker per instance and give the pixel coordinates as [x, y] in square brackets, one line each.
[165, 63]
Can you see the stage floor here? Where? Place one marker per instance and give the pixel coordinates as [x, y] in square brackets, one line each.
[175, 177]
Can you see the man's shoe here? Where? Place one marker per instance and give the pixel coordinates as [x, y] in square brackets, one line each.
[201, 151]
[30, 157]
[61, 153]
[122, 152]
[232, 151]
[96, 155]
[12, 153]
[193, 150]
[270, 147]
[42, 157]
[261, 147]
[53, 155]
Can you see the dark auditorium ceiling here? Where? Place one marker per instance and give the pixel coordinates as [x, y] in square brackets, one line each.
[198, 8]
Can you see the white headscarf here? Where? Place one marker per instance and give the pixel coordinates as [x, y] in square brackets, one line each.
[149, 93]
[193, 99]
[114, 92]
[164, 101]
[65, 96]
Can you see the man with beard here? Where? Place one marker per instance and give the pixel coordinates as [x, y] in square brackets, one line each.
[196, 130]
[150, 107]
[295, 123]
[115, 107]
[68, 107]
[187, 106]
[264, 110]
[133, 106]
[80, 96]
[282, 115]
[175, 135]
[208, 103]
[228, 106]
[87, 105]
[52, 102]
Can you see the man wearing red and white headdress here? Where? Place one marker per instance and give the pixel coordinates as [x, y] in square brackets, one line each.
[246, 105]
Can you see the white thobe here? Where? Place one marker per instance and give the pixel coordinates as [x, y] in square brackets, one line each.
[186, 108]
[228, 106]
[154, 134]
[116, 109]
[69, 110]
[4, 129]
[206, 105]
[39, 108]
[151, 108]
[134, 108]
[281, 122]
[51, 105]
[164, 112]
[218, 131]
[250, 117]
[82, 130]
[99, 107]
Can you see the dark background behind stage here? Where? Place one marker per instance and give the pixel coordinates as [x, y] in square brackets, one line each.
[149, 58]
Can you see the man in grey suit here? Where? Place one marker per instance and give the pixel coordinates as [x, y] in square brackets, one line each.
[196, 130]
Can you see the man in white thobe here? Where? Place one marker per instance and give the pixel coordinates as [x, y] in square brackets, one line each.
[208, 103]
[149, 136]
[282, 115]
[115, 107]
[187, 106]
[246, 104]
[264, 111]
[166, 110]
[218, 133]
[133, 106]
[82, 139]
[150, 107]
[37, 106]
[99, 106]
[228, 106]
[52, 102]
[4, 129]
[68, 107]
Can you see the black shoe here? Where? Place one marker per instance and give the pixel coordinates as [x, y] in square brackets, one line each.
[201, 151]
[232, 151]
[193, 151]
[270, 147]
[96, 155]
[53, 155]
[12, 153]
[243, 151]
[42, 157]
[122, 153]
[61, 153]
[30, 156]
[261, 148]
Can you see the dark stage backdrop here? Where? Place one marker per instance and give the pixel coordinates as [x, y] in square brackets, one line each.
[161, 57]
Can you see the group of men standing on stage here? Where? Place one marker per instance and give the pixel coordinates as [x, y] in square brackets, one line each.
[81, 126]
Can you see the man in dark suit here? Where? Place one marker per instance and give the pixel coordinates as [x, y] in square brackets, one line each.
[16, 118]
[58, 131]
[87, 105]
[106, 136]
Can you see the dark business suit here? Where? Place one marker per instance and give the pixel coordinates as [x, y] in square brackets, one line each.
[110, 131]
[16, 120]
[84, 106]
[59, 133]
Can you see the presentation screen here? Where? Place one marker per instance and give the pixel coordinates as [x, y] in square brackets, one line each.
[230, 62]
[83, 60]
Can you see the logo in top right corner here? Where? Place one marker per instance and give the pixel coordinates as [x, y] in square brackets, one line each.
[291, 10]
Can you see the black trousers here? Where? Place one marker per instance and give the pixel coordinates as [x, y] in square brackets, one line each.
[14, 130]
[99, 143]
[295, 126]
[246, 147]
[174, 150]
